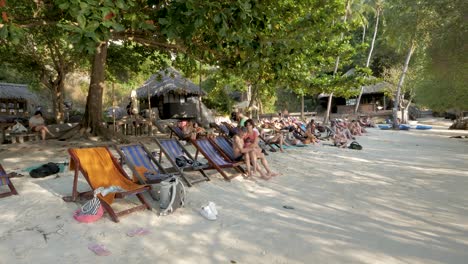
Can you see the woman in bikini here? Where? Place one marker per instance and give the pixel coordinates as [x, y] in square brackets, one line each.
[251, 142]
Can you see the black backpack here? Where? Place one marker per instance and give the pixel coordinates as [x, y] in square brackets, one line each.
[45, 170]
[355, 145]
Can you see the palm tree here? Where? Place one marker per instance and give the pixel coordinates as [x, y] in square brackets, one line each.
[378, 10]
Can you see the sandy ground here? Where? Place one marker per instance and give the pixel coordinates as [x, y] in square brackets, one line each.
[402, 199]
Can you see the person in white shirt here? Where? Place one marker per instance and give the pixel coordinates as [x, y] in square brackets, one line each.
[37, 124]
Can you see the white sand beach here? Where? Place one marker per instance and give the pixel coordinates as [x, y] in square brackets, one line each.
[402, 199]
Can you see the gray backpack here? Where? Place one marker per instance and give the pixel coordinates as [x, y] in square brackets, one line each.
[171, 195]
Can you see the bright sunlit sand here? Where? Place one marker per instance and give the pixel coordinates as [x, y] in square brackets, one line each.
[402, 199]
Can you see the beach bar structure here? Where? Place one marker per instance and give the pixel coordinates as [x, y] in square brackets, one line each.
[373, 101]
[173, 95]
[16, 100]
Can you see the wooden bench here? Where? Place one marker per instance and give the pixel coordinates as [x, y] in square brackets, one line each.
[20, 137]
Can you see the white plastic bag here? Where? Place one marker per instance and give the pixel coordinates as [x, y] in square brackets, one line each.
[18, 128]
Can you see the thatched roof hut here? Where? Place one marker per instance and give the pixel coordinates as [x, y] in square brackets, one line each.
[166, 81]
[16, 99]
[17, 91]
[378, 88]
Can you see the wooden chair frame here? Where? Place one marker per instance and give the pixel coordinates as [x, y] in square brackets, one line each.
[6, 178]
[107, 207]
[176, 131]
[171, 156]
[131, 164]
[199, 145]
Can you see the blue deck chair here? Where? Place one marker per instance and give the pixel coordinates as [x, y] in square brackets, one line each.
[221, 128]
[137, 155]
[5, 181]
[263, 143]
[175, 130]
[172, 149]
[225, 144]
[217, 159]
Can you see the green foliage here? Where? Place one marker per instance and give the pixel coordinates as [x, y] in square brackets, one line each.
[444, 83]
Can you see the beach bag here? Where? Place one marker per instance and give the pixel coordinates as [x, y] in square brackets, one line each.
[90, 212]
[45, 170]
[355, 145]
[18, 128]
[171, 195]
[184, 162]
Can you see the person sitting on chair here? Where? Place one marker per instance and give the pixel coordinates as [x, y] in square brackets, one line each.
[197, 131]
[37, 124]
[251, 142]
[241, 153]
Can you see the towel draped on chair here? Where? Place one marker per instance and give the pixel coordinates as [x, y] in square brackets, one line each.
[97, 163]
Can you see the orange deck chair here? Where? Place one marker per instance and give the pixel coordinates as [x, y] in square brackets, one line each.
[101, 169]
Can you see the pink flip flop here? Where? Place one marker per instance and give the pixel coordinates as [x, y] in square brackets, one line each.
[99, 250]
[138, 232]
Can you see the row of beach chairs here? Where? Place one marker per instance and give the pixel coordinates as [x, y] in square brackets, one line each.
[146, 168]
[101, 168]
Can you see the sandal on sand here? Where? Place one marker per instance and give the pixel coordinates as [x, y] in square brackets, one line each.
[138, 232]
[206, 212]
[213, 208]
[99, 250]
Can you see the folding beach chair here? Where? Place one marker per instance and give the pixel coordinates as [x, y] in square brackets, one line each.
[224, 144]
[220, 128]
[5, 181]
[172, 149]
[262, 142]
[145, 168]
[175, 130]
[215, 157]
[230, 128]
[101, 169]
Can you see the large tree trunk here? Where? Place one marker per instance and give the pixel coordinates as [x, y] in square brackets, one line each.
[400, 84]
[93, 114]
[330, 98]
[59, 98]
[369, 56]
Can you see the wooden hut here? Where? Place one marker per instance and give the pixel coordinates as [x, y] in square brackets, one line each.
[16, 100]
[373, 101]
[173, 95]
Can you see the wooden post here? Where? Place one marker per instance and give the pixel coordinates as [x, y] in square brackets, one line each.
[113, 107]
[150, 132]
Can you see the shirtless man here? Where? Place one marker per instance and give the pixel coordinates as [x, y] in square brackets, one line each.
[241, 153]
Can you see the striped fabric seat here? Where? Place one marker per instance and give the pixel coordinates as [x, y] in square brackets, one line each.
[144, 166]
[177, 131]
[137, 156]
[212, 152]
[5, 181]
[172, 149]
[224, 129]
[226, 146]
[216, 157]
